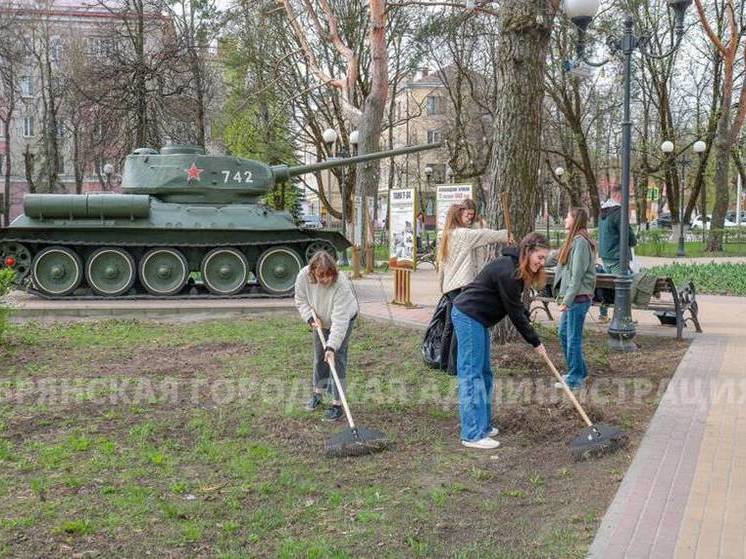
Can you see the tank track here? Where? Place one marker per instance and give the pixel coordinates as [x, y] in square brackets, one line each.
[204, 294]
[194, 290]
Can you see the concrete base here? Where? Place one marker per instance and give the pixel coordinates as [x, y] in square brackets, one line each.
[25, 307]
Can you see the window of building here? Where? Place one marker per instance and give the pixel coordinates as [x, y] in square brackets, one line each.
[99, 47]
[433, 105]
[55, 49]
[60, 165]
[433, 136]
[28, 126]
[27, 86]
[28, 46]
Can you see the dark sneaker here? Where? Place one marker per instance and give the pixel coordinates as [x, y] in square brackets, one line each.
[314, 402]
[333, 413]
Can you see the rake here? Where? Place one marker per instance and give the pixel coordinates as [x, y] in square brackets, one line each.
[353, 441]
[594, 440]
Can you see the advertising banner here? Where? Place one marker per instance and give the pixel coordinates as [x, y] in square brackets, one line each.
[447, 195]
[401, 230]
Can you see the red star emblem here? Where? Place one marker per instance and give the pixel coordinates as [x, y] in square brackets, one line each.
[193, 172]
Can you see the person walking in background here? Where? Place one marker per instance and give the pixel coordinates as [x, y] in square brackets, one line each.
[609, 229]
[496, 292]
[576, 274]
[321, 288]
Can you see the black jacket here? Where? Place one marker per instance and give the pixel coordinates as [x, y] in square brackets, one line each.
[497, 292]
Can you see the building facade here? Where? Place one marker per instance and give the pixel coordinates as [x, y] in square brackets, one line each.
[75, 111]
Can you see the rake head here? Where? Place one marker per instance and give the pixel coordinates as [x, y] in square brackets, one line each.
[598, 440]
[356, 442]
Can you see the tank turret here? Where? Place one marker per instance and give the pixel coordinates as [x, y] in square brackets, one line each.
[185, 175]
[187, 224]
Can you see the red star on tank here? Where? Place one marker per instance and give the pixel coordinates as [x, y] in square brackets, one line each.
[194, 172]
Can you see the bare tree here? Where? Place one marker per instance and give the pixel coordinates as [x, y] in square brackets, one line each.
[10, 59]
[728, 43]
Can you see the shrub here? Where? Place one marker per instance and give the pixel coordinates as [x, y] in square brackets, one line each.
[717, 279]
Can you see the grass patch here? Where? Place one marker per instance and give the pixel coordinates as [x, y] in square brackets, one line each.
[191, 440]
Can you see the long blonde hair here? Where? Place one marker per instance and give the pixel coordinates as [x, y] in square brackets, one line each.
[453, 221]
[579, 227]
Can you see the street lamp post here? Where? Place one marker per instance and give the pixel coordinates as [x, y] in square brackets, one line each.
[547, 196]
[667, 147]
[559, 171]
[108, 171]
[581, 13]
[699, 148]
[428, 176]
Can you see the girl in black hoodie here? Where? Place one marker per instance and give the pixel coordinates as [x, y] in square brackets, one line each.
[496, 292]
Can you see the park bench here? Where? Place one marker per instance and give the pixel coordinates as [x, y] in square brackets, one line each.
[679, 301]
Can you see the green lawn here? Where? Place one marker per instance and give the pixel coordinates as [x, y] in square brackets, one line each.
[693, 249]
[716, 279]
[127, 438]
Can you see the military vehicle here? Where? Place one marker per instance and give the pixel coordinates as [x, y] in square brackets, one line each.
[186, 224]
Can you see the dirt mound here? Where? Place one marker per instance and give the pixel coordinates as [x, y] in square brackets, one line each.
[545, 422]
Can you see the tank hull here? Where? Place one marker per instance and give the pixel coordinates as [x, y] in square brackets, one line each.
[242, 248]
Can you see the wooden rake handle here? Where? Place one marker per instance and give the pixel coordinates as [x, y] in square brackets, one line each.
[506, 213]
[567, 390]
[333, 369]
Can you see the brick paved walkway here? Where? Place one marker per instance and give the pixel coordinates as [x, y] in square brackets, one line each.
[684, 496]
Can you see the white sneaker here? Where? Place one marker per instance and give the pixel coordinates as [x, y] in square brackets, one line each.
[559, 384]
[494, 432]
[485, 443]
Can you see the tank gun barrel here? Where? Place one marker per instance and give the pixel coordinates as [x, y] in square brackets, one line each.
[283, 172]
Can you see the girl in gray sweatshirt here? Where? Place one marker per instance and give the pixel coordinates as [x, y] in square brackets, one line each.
[320, 286]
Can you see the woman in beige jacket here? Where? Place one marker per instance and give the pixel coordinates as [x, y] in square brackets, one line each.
[458, 260]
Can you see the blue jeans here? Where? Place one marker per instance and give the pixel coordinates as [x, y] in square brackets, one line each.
[474, 376]
[571, 339]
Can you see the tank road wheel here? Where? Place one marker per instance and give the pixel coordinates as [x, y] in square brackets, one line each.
[110, 272]
[164, 271]
[19, 258]
[56, 271]
[277, 269]
[225, 271]
[316, 246]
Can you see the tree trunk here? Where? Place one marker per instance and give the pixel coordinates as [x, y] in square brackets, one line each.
[141, 93]
[514, 165]
[199, 90]
[28, 164]
[78, 164]
[6, 187]
[722, 168]
[373, 110]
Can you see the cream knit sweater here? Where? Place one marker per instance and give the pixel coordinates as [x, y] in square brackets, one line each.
[335, 305]
[462, 264]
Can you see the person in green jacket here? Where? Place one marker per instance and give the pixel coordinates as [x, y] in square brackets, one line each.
[609, 228]
[576, 275]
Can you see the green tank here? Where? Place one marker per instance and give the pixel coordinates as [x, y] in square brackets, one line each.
[185, 223]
